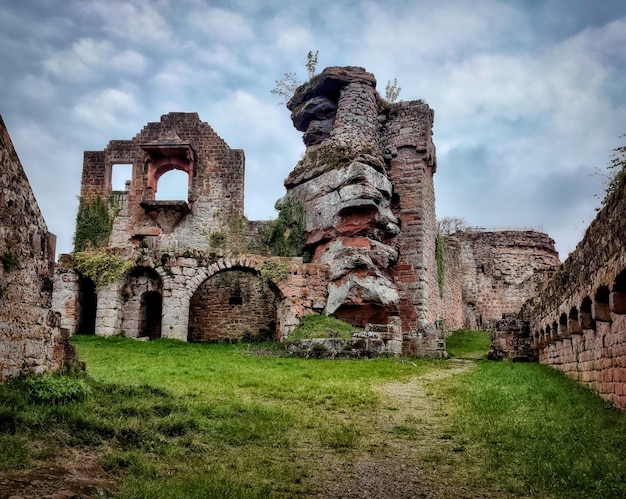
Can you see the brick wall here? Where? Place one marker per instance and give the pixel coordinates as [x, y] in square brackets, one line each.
[30, 336]
[502, 270]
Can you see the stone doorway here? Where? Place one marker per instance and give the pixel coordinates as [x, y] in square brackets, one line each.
[86, 309]
[150, 313]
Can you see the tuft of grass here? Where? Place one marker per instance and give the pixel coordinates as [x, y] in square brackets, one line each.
[468, 344]
[322, 326]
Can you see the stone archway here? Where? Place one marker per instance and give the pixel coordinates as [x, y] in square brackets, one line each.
[232, 306]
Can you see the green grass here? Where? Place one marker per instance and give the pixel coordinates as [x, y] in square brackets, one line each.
[526, 429]
[222, 421]
[322, 326]
[468, 344]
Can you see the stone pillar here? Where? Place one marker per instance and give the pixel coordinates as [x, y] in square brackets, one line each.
[109, 311]
[175, 320]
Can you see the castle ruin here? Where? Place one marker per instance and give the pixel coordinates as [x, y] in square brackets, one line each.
[358, 241]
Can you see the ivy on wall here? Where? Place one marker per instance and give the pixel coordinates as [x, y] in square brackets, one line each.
[103, 267]
[286, 234]
[440, 256]
[93, 224]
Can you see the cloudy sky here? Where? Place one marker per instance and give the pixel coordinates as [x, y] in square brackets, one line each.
[529, 95]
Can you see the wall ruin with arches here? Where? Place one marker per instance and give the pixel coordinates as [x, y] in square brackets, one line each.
[577, 323]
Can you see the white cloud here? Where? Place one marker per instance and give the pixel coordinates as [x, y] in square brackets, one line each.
[109, 107]
[135, 20]
[87, 58]
[221, 25]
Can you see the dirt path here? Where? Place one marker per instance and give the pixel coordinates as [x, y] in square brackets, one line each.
[77, 476]
[410, 455]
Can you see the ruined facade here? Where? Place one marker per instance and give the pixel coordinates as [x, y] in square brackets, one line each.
[501, 270]
[30, 336]
[198, 272]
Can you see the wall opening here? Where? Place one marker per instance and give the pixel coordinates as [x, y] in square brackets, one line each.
[232, 306]
[573, 324]
[121, 175]
[150, 315]
[601, 310]
[86, 307]
[173, 186]
[142, 296]
[586, 317]
[563, 332]
[617, 299]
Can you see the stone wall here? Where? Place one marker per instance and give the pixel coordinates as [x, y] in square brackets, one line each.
[30, 336]
[230, 306]
[501, 271]
[577, 323]
[366, 184]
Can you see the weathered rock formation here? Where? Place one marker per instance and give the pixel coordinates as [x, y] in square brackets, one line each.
[30, 336]
[366, 186]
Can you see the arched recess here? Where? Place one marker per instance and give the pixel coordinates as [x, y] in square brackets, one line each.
[586, 316]
[573, 324]
[231, 306]
[563, 332]
[617, 298]
[86, 306]
[143, 301]
[601, 311]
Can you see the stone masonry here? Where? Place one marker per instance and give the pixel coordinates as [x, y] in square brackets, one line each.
[30, 336]
[577, 322]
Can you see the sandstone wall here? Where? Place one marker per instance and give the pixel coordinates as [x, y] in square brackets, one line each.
[30, 336]
[501, 271]
[229, 306]
[577, 323]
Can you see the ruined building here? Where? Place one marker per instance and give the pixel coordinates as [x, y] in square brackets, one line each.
[198, 270]
[30, 336]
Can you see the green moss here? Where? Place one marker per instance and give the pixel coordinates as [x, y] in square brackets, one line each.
[10, 260]
[272, 273]
[322, 326]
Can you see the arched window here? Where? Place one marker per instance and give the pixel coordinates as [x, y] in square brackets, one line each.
[173, 186]
[586, 319]
[573, 324]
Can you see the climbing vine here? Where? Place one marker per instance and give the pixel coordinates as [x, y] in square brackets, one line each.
[102, 267]
[440, 256]
[286, 234]
[93, 224]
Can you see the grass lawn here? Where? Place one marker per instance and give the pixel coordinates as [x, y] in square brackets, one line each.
[170, 419]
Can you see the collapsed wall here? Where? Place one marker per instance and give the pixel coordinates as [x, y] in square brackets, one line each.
[30, 336]
[577, 323]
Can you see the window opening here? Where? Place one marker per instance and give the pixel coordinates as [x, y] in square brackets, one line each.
[173, 186]
[121, 176]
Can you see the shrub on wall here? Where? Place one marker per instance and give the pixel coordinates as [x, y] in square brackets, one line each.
[103, 268]
[286, 234]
